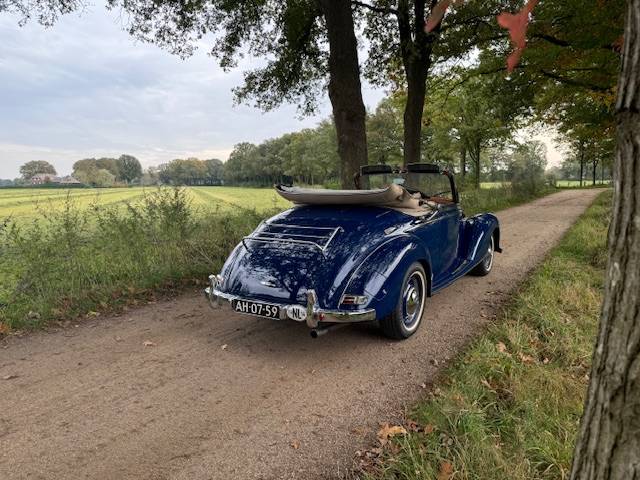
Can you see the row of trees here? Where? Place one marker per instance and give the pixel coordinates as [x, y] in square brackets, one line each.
[105, 172]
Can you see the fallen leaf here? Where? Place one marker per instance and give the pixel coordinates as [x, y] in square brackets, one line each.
[295, 444]
[359, 430]
[413, 426]
[10, 377]
[428, 428]
[446, 471]
[502, 348]
[423, 385]
[93, 314]
[388, 431]
[526, 358]
[224, 347]
[545, 361]
[148, 343]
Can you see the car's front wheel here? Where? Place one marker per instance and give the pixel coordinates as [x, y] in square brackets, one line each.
[485, 265]
[406, 317]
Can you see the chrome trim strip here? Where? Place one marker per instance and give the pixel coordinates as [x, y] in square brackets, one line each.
[475, 249]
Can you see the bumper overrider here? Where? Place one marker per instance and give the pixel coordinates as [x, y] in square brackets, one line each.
[314, 314]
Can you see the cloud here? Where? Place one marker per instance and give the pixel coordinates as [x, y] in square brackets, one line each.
[85, 88]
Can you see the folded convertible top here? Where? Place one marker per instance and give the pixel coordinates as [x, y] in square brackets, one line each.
[391, 196]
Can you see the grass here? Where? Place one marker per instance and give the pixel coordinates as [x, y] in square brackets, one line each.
[66, 254]
[497, 197]
[80, 258]
[25, 204]
[585, 183]
[509, 407]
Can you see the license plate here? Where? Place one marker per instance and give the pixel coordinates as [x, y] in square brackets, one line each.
[256, 308]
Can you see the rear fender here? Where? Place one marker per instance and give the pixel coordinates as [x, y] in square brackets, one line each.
[381, 274]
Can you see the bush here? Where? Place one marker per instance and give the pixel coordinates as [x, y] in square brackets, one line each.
[70, 262]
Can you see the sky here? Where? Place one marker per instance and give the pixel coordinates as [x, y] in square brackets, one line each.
[85, 88]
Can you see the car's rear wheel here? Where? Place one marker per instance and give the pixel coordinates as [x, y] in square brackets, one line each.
[406, 317]
[485, 265]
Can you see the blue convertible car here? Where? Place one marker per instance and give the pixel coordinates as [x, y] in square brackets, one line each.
[371, 254]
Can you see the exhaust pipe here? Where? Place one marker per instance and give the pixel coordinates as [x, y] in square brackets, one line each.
[318, 332]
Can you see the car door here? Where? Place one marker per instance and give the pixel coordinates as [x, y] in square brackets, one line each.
[441, 236]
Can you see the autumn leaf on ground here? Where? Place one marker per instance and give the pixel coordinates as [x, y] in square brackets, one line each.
[224, 347]
[295, 444]
[446, 471]
[10, 377]
[526, 358]
[387, 431]
[502, 348]
[148, 343]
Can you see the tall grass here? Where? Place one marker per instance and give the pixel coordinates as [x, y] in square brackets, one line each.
[73, 260]
[497, 198]
[509, 407]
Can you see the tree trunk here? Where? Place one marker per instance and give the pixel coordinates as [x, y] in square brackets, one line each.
[608, 446]
[416, 47]
[345, 90]
[416, 92]
[463, 161]
[581, 162]
[474, 153]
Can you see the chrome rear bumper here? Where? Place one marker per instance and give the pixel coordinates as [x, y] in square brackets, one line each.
[315, 314]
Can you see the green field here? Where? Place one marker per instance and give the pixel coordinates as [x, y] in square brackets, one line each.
[25, 203]
[576, 183]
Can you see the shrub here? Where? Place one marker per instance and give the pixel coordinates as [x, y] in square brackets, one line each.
[71, 261]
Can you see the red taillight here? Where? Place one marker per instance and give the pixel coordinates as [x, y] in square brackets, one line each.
[354, 300]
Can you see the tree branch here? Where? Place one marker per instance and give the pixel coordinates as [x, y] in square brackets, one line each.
[575, 83]
[373, 8]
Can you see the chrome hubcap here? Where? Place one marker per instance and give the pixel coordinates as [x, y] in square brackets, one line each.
[413, 300]
[488, 258]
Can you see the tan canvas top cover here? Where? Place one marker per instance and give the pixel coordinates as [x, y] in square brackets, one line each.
[392, 196]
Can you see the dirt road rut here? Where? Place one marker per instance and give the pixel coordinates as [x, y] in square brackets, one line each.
[222, 396]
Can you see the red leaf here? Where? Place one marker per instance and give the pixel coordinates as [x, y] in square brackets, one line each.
[517, 24]
[437, 14]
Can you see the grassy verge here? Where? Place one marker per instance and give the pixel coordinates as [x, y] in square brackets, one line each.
[76, 260]
[498, 197]
[80, 258]
[509, 407]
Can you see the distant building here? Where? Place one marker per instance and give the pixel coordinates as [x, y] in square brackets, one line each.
[42, 178]
[47, 178]
[69, 180]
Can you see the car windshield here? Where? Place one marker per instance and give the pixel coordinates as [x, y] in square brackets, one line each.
[429, 184]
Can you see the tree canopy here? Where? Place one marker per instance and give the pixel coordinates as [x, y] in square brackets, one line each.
[33, 168]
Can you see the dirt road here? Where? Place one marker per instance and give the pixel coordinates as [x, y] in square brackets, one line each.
[221, 396]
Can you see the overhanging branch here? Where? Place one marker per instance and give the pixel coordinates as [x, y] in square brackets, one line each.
[373, 8]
